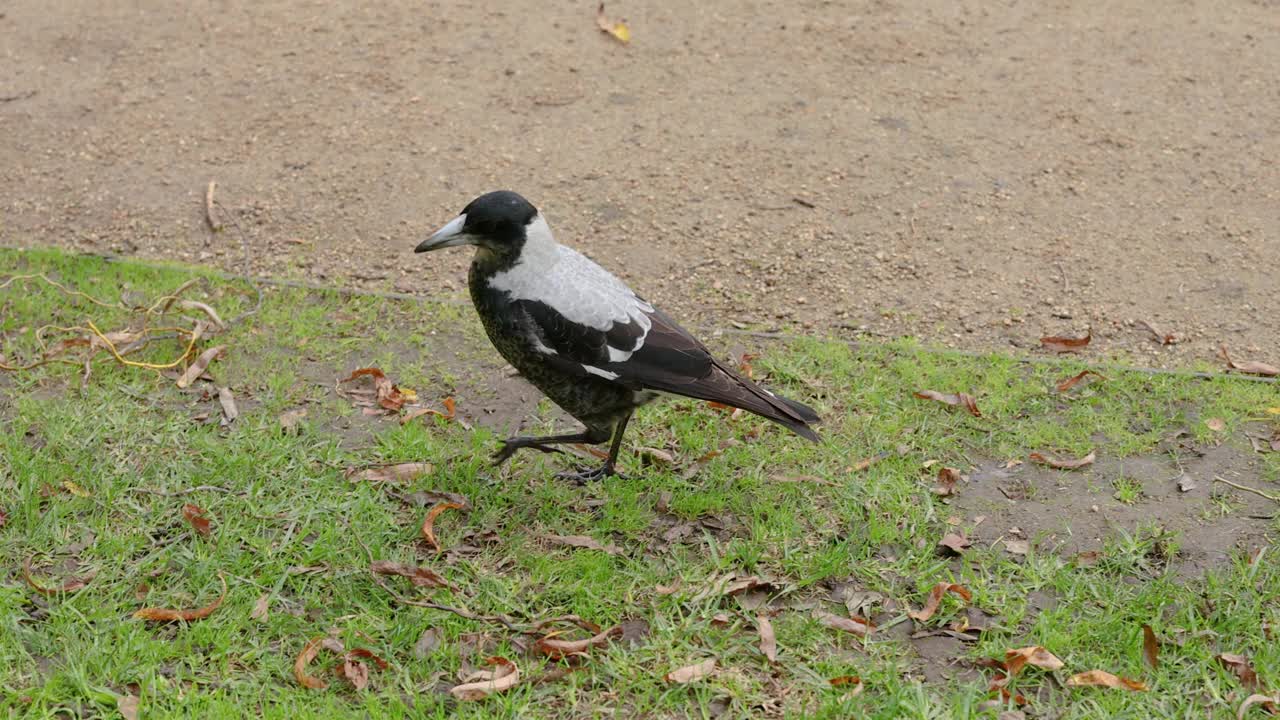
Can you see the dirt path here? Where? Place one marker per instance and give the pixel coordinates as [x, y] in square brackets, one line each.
[974, 176]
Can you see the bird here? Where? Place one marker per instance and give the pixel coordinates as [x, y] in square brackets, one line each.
[583, 337]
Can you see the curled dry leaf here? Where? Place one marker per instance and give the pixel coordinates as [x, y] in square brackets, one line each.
[1034, 655]
[69, 586]
[428, 523]
[556, 648]
[1062, 463]
[387, 395]
[127, 706]
[201, 364]
[229, 409]
[957, 399]
[304, 658]
[1074, 380]
[1270, 703]
[856, 625]
[1243, 670]
[1248, 367]
[618, 30]
[356, 672]
[418, 575]
[954, 543]
[289, 420]
[1162, 338]
[400, 472]
[1102, 678]
[1150, 647]
[168, 615]
[194, 514]
[690, 673]
[1060, 344]
[768, 641]
[1017, 547]
[935, 599]
[261, 608]
[852, 682]
[450, 411]
[582, 541]
[487, 682]
[947, 479]
[427, 643]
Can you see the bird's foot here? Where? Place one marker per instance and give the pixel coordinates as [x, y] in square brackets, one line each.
[511, 445]
[584, 475]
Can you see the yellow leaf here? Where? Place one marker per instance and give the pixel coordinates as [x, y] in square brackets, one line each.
[618, 30]
[410, 395]
[1273, 411]
[75, 489]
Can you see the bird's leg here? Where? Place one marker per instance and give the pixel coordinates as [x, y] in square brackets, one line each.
[511, 445]
[585, 476]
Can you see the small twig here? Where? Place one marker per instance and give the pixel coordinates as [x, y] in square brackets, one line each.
[1255, 491]
[63, 288]
[1066, 284]
[174, 493]
[208, 207]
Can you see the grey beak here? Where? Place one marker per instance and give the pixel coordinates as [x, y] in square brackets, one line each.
[450, 235]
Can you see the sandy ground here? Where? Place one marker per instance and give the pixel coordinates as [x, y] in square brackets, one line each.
[974, 174]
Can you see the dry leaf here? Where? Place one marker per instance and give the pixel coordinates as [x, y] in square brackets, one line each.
[691, 673]
[194, 514]
[853, 682]
[1088, 557]
[1071, 382]
[1060, 344]
[582, 541]
[947, 479]
[1150, 647]
[1270, 703]
[1248, 367]
[4, 517]
[1060, 463]
[127, 706]
[69, 586]
[655, 456]
[356, 672]
[428, 524]
[954, 543]
[556, 648]
[400, 472]
[1017, 547]
[289, 420]
[855, 625]
[865, 463]
[487, 682]
[1239, 665]
[935, 599]
[960, 399]
[768, 641]
[201, 364]
[1033, 655]
[167, 615]
[450, 411]
[1162, 338]
[618, 30]
[387, 395]
[229, 409]
[75, 489]
[419, 576]
[427, 643]
[1216, 424]
[1101, 678]
[304, 658]
[261, 608]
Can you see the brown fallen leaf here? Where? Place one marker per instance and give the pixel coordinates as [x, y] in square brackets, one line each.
[487, 682]
[1102, 678]
[956, 399]
[428, 523]
[865, 463]
[261, 608]
[1017, 547]
[655, 456]
[954, 543]
[947, 479]
[768, 641]
[450, 411]
[1248, 367]
[168, 615]
[1162, 338]
[1060, 344]
[387, 395]
[289, 420]
[399, 472]
[1216, 424]
[690, 673]
[356, 672]
[228, 402]
[582, 541]
[201, 364]
[855, 625]
[194, 514]
[420, 576]
[1088, 557]
[304, 658]
[427, 643]
[4, 517]
[853, 682]
[1243, 670]
[127, 706]
[1074, 380]
[1034, 655]
[1061, 463]
[70, 585]
[1150, 647]
[556, 648]
[618, 30]
[1270, 703]
[935, 599]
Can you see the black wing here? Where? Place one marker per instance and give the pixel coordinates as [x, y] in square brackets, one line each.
[666, 358]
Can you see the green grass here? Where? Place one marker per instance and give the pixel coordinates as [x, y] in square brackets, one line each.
[292, 528]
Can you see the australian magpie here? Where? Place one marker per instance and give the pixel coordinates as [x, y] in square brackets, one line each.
[582, 337]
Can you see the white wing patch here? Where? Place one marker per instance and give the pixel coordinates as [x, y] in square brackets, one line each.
[574, 286]
[602, 373]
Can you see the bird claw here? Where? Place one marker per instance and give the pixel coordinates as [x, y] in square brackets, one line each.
[511, 445]
[582, 475]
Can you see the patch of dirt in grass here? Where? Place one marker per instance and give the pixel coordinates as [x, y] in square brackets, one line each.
[1078, 511]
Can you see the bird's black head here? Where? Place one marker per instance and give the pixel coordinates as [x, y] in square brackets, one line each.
[494, 221]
